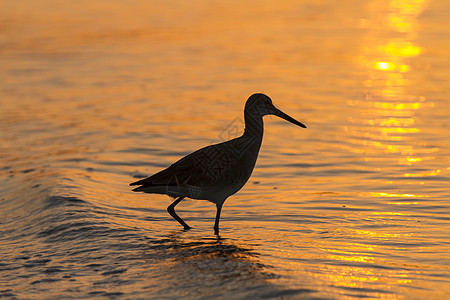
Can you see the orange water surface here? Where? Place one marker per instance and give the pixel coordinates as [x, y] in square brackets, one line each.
[95, 94]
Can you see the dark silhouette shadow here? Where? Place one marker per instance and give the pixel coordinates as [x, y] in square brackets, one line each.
[223, 168]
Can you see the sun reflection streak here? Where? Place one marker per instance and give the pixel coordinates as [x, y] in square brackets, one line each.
[396, 195]
[387, 120]
[384, 132]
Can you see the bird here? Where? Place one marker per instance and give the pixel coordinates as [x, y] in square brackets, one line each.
[217, 171]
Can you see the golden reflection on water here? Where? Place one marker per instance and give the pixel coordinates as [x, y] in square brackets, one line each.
[389, 110]
[385, 130]
[387, 123]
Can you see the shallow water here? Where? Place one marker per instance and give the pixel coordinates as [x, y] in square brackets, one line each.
[95, 94]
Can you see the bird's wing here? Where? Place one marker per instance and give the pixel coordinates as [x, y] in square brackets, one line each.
[207, 167]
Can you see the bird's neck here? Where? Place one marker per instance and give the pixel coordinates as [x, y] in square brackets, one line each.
[254, 127]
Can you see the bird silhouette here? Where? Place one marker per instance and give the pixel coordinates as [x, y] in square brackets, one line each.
[217, 171]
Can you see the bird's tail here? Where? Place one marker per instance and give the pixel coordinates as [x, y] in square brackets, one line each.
[150, 188]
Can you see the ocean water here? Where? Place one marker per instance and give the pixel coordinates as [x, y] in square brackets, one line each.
[96, 94]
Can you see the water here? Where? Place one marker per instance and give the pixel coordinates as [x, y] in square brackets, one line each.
[95, 94]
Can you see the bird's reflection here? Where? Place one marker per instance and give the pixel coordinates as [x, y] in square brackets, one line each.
[186, 247]
[205, 267]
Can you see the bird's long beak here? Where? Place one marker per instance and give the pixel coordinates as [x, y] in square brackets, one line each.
[288, 118]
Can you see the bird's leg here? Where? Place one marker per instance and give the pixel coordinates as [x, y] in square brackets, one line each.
[216, 224]
[171, 210]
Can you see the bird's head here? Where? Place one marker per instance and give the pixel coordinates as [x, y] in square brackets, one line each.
[261, 105]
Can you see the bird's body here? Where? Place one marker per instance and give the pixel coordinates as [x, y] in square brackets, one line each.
[217, 171]
[211, 173]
